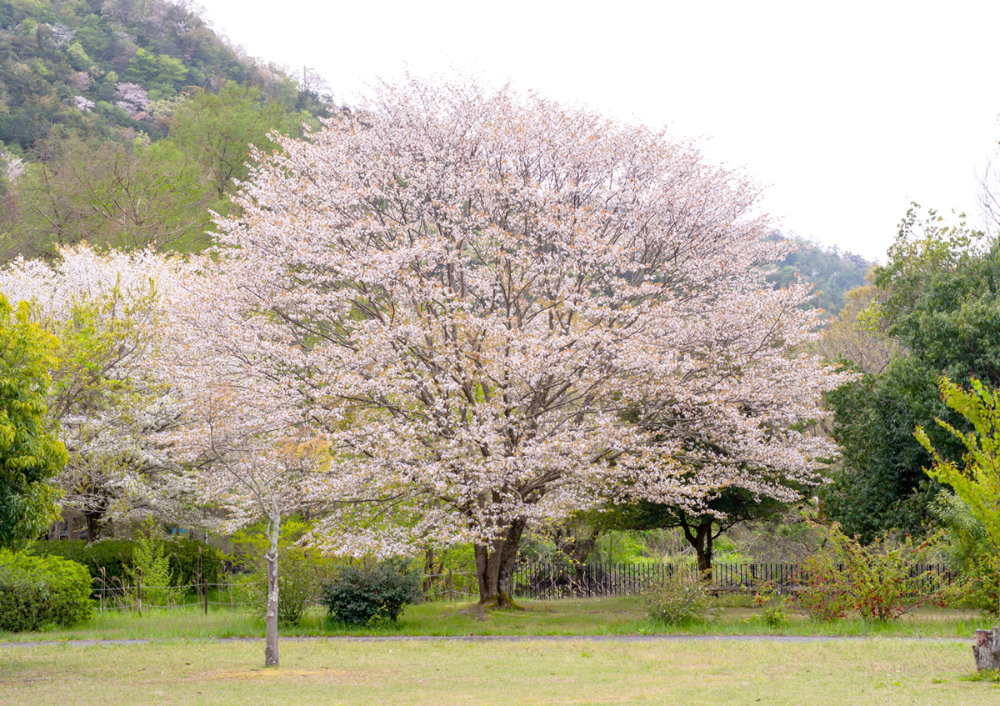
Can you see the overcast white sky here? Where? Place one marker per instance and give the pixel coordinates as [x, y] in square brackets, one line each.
[844, 111]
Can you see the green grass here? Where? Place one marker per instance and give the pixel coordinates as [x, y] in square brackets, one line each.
[180, 672]
[605, 616]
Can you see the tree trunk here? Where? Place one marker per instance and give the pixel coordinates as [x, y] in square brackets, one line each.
[701, 539]
[581, 550]
[987, 649]
[92, 517]
[495, 567]
[271, 633]
[432, 571]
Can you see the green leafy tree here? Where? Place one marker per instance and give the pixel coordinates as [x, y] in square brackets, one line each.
[976, 480]
[112, 195]
[938, 304]
[218, 129]
[731, 507]
[30, 454]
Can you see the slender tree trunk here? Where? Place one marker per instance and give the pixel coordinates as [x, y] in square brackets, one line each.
[495, 567]
[432, 570]
[271, 634]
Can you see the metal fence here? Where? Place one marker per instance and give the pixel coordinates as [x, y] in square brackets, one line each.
[118, 596]
[591, 580]
[532, 580]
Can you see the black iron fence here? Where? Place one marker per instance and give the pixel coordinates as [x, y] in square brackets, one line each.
[555, 581]
[533, 580]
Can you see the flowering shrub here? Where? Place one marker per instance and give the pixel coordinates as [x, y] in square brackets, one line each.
[825, 594]
[878, 580]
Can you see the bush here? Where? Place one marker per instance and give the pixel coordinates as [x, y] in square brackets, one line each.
[359, 596]
[38, 591]
[825, 594]
[114, 556]
[299, 577]
[878, 579]
[772, 604]
[190, 559]
[677, 599]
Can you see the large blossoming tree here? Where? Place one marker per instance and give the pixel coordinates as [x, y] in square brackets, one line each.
[501, 311]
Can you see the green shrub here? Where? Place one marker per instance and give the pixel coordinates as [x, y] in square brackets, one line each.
[37, 591]
[300, 574]
[114, 556]
[359, 596]
[149, 574]
[190, 558]
[772, 604]
[676, 599]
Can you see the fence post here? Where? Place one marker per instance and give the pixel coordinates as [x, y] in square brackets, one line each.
[138, 594]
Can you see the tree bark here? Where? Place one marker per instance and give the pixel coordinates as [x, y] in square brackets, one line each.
[92, 517]
[581, 550]
[701, 539]
[495, 567]
[271, 632]
[987, 649]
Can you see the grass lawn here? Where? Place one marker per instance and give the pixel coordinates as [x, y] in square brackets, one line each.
[595, 616]
[866, 671]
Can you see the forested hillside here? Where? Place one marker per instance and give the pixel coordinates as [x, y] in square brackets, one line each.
[833, 272]
[122, 122]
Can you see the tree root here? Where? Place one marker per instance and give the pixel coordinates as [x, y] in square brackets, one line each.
[501, 601]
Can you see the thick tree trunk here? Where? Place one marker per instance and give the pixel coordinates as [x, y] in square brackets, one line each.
[495, 567]
[271, 631]
[581, 550]
[700, 537]
[987, 649]
[93, 518]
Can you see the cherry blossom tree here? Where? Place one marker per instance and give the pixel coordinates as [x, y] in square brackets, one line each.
[104, 310]
[501, 311]
[241, 431]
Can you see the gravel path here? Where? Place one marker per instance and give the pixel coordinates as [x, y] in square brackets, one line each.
[502, 638]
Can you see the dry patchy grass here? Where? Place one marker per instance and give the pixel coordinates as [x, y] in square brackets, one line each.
[711, 672]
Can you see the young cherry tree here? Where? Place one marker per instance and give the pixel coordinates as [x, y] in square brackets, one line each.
[240, 432]
[502, 311]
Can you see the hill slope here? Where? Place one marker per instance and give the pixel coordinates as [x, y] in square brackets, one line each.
[91, 67]
[833, 272]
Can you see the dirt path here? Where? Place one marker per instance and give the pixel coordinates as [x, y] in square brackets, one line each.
[501, 638]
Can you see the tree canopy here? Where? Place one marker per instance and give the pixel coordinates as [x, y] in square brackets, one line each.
[499, 311]
[30, 454]
[937, 301]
